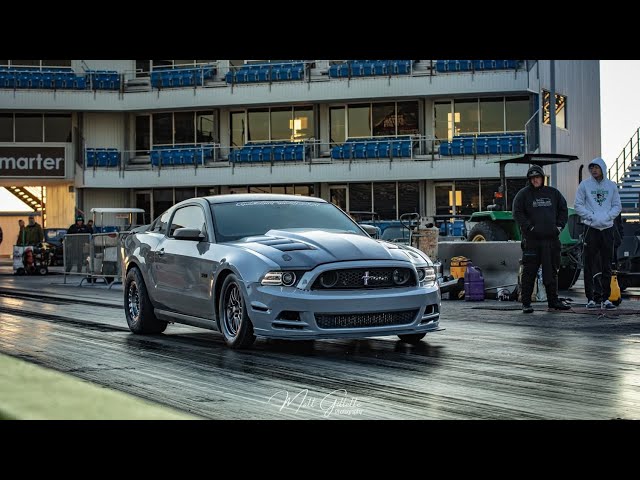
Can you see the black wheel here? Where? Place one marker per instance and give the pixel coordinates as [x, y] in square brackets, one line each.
[412, 338]
[487, 232]
[567, 276]
[617, 302]
[20, 271]
[43, 270]
[235, 323]
[137, 306]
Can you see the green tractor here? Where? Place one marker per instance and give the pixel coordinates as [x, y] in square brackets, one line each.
[498, 224]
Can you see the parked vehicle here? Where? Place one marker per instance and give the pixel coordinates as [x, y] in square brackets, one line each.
[278, 266]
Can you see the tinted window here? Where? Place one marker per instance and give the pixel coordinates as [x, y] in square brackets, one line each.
[160, 225]
[233, 221]
[189, 217]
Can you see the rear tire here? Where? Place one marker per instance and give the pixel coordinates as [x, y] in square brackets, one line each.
[412, 338]
[235, 324]
[567, 277]
[137, 306]
[487, 232]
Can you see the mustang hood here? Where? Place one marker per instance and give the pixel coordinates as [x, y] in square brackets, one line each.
[309, 248]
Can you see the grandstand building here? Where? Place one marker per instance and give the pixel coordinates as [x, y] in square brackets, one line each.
[384, 136]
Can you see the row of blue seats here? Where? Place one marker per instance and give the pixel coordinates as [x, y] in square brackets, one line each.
[483, 145]
[62, 80]
[372, 148]
[364, 68]
[266, 72]
[166, 156]
[469, 65]
[36, 79]
[103, 79]
[268, 153]
[106, 229]
[181, 76]
[102, 157]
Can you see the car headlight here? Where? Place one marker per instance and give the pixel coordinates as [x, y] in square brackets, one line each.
[426, 276]
[285, 279]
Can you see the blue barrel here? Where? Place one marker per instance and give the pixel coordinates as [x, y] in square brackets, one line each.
[473, 284]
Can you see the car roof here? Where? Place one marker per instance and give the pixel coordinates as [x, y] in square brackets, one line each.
[253, 197]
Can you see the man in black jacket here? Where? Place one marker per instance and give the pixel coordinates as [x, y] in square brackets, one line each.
[541, 212]
[76, 251]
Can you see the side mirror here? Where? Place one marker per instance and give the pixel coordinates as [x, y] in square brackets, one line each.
[372, 231]
[188, 234]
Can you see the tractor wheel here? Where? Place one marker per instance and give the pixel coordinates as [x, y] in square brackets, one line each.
[487, 232]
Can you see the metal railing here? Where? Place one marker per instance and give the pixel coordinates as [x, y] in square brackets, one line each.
[93, 256]
[309, 151]
[618, 169]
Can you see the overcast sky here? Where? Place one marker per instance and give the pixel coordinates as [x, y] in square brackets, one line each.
[619, 103]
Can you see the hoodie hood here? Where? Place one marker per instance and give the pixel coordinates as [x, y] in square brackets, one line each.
[603, 166]
[532, 172]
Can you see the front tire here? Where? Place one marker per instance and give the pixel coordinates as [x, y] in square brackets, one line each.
[137, 306]
[412, 338]
[235, 324]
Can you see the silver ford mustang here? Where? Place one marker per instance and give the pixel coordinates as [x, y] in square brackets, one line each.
[278, 266]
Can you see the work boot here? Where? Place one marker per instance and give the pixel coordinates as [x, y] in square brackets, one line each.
[527, 309]
[558, 304]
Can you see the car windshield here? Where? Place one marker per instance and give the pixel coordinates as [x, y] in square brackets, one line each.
[233, 221]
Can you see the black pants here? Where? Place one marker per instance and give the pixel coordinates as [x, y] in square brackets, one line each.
[598, 252]
[547, 254]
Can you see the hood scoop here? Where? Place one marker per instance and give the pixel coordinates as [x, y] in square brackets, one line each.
[282, 244]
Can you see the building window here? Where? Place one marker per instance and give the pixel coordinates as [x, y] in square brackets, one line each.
[288, 124]
[383, 117]
[443, 125]
[561, 110]
[162, 129]
[483, 115]
[360, 199]
[183, 128]
[517, 113]
[407, 115]
[338, 129]
[205, 132]
[143, 134]
[466, 116]
[384, 200]
[178, 128]
[258, 125]
[6, 127]
[238, 122]
[492, 115]
[29, 127]
[35, 127]
[57, 127]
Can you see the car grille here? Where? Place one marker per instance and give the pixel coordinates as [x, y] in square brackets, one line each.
[361, 320]
[358, 278]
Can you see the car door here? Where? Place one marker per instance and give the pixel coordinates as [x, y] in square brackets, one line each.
[183, 272]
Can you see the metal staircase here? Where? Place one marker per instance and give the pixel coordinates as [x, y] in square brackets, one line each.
[626, 173]
[27, 197]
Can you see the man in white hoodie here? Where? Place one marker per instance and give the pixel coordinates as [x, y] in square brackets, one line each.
[598, 203]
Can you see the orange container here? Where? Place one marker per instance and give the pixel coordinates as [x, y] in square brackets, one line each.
[458, 266]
